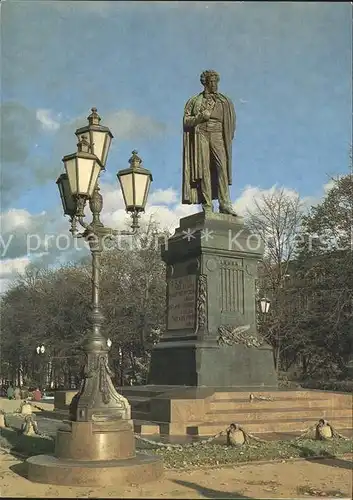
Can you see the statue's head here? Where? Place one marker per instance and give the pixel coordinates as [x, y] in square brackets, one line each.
[209, 80]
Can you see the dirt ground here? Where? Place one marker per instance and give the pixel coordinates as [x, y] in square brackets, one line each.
[330, 478]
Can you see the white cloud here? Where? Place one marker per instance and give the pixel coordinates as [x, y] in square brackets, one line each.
[13, 219]
[9, 270]
[331, 183]
[251, 194]
[165, 196]
[162, 207]
[9, 267]
[48, 120]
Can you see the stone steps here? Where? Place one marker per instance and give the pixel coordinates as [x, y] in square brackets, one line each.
[287, 394]
[241, 404]
[146, 428]
[287, 411]
[266, 414]
[267, 426]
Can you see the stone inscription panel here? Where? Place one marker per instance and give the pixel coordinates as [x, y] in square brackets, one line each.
[182, 303]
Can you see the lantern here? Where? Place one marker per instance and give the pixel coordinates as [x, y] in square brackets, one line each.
[83, 169]
[265, 305]
[99, 137]
[68, 201]
[135, 184]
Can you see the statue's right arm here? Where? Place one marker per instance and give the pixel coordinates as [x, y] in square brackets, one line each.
[190, 120]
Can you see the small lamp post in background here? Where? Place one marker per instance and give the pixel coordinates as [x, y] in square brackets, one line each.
[265, 305]
[79, 184]
[263, 308]
[40, 349]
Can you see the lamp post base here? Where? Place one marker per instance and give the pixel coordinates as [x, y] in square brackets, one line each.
[95, 454]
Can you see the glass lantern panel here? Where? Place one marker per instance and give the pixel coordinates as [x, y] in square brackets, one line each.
[127, 189]
[108, 141]
[61, 187]
[98, 142]
[70, 166]
[70, 205]
[148, 185]
[141, 182]
[95, 173]
[84, 174]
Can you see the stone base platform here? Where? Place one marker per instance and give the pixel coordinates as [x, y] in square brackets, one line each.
[188, 411]
[179, 411]
[51, 470]
[94, 454]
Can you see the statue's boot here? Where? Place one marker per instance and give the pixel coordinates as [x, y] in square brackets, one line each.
[208, 209]
[227, 209]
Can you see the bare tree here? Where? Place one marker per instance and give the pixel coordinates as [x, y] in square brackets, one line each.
[276, 219]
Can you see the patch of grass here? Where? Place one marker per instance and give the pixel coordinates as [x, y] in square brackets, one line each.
[11, 440]
[309, 491]
[200, 455]
[218, 454]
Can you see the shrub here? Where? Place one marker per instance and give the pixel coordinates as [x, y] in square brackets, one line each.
[329, 385]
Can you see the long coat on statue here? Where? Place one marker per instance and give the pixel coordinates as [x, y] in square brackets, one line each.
[192, 163]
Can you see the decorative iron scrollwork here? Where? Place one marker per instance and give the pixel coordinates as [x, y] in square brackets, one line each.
[104, 372]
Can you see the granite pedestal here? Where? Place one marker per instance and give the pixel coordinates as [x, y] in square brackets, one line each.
[211, 337]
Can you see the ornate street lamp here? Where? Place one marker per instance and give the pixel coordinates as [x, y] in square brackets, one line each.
[78, 185]
[97, 444]
[265, 305]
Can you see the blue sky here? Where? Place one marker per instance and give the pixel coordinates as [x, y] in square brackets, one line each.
[286, 66]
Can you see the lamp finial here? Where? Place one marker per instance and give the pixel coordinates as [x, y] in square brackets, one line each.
[94, 118]
[135, 161]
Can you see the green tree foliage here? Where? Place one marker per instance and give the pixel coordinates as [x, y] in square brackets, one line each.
[325, 264]
[310, 323]
[51, 307]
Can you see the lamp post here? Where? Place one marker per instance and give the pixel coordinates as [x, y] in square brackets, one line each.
[79, 184]
[265, 305]
[96, 446]
[40, 350]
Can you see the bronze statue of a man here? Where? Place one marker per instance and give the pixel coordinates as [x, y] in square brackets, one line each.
[209, 127]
